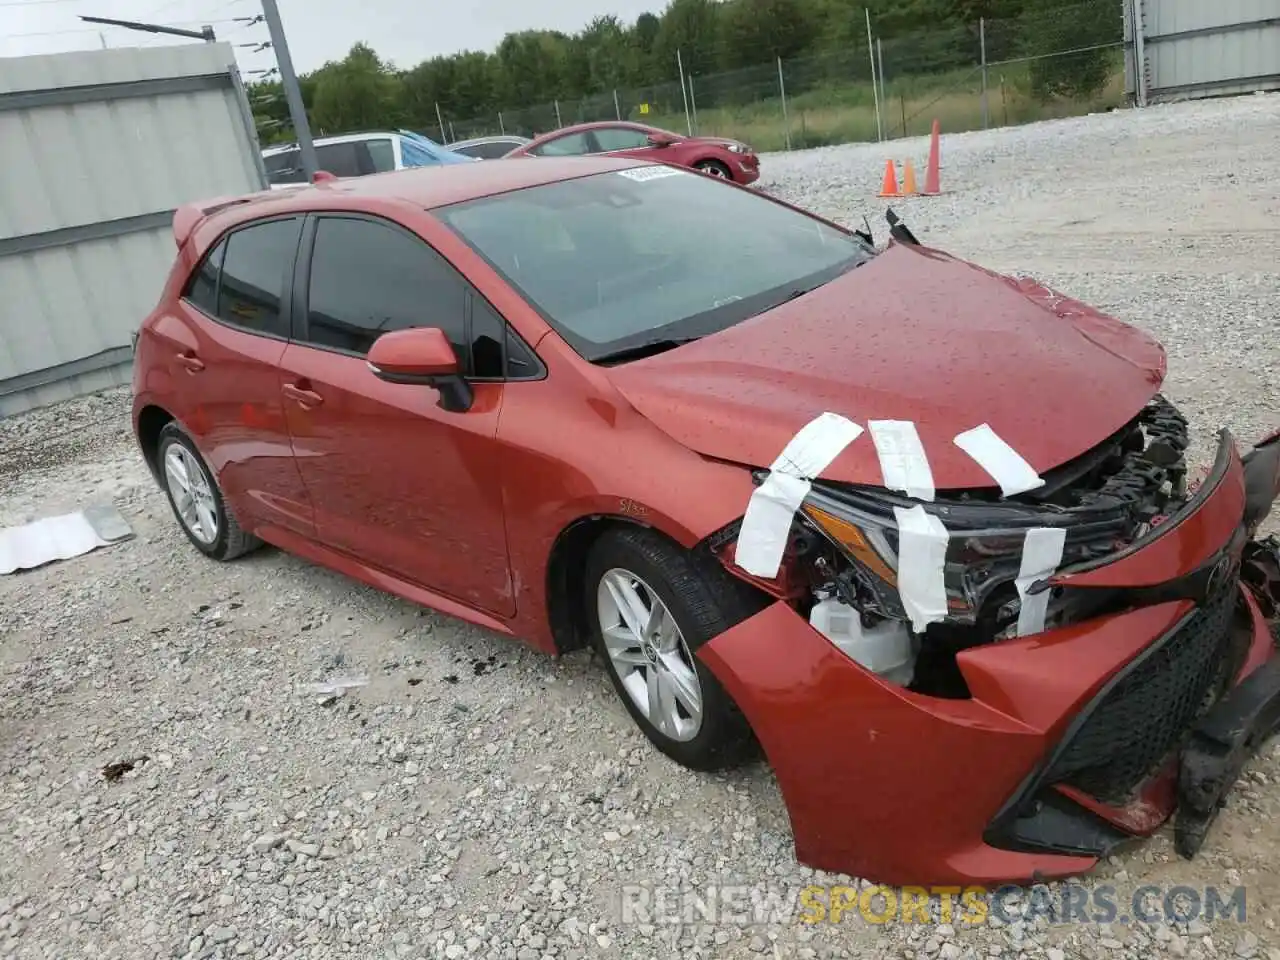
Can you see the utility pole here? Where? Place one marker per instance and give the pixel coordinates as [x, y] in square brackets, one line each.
[292, 92]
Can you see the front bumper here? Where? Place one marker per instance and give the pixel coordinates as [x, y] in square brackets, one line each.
[1072, 741]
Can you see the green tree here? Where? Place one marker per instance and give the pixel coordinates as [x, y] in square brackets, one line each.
[1065, 40]
[358, 92]
[690, 28]
[757, 31]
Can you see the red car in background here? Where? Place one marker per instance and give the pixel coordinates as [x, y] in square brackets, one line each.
[715, 156]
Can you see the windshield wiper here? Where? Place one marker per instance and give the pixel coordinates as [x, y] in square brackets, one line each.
[646, 349]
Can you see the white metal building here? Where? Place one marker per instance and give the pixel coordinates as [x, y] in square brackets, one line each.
[1200, 48]
[97, 149]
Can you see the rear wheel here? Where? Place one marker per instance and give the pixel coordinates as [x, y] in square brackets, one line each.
[714, 168]
[197, 501]
[650, 611]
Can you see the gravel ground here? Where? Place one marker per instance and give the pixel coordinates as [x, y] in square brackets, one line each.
[477, 799]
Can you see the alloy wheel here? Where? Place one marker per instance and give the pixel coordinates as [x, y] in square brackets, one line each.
[649, 654]
[192, 493]
[714, 170]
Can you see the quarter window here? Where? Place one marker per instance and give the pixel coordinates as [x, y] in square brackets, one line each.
[570, 145]
[368, 278]
[489, 150]
[202, 290]
[382, 154]
[488, 333]
[255, 264]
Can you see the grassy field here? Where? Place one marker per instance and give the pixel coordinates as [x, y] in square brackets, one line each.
[847, 114]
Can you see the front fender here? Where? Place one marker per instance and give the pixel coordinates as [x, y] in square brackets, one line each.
[566, 458]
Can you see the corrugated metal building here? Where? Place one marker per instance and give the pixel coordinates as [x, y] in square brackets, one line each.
[97, 149]
[1183, 49]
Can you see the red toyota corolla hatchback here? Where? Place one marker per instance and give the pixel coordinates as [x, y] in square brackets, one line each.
[922, 532]
[714, 156]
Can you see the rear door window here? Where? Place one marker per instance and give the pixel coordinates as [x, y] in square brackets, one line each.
[620, 138]
[285, 167]
[256, 266]
[344, 159]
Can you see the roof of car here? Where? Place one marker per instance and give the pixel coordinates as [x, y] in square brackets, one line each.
[337, 138]
[423, 187]
[493, 138]
[583, 127]
[598, 124]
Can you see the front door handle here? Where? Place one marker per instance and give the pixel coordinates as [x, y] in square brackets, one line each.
[189, 360]
[304, 398]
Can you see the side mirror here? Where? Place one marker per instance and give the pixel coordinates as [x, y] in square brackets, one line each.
[423, 356]
[661, 140]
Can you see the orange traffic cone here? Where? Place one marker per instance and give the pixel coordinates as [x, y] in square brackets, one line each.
[909, 180]
[890, 185]
[932, 187]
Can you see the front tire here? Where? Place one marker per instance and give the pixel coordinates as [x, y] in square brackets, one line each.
[650, 610]
[196, 499]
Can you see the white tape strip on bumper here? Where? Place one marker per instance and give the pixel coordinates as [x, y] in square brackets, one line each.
[922, 557]
[902, 458]
[1041, 554]
[1001, 461]
[766, 525]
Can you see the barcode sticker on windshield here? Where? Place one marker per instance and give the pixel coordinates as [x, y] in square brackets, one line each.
[649, 173]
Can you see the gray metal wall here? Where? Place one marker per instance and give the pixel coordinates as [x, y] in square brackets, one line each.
[96, 151]
[1201, 48]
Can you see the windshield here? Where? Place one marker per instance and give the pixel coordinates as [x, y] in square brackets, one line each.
[618, 260]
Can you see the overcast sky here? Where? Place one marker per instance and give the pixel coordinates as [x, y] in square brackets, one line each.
[404, 31]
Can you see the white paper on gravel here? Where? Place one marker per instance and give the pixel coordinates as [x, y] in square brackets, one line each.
[62, 537]
[1001, 461]
[902, 458]
[922, 558]
[1041, 553]
[762, 539]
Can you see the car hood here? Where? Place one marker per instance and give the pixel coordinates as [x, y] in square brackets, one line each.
[713, 141]
[913, 334]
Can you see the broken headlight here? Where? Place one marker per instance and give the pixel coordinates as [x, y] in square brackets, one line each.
[983, 554]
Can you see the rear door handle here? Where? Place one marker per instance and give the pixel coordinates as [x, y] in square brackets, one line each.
[304, 398]
[189, 360]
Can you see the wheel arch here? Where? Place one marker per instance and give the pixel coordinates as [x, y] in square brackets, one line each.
[565, 575]
[150, 421]
[565, 572]
[712, 158]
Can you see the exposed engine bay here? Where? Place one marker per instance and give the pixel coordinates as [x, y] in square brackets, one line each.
[842, 559]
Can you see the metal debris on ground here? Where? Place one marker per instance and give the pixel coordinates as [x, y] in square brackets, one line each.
[112, 772]
[330, 690]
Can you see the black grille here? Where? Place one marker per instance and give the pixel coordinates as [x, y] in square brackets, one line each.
[1146, 715]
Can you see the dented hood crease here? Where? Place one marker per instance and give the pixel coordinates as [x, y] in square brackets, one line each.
[914, 334]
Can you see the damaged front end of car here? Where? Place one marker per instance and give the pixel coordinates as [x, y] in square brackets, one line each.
[1166, 725]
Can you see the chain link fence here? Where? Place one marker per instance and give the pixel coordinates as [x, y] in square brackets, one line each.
[1068, 61]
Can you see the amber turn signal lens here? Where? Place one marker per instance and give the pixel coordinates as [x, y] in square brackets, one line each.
[851, 538]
